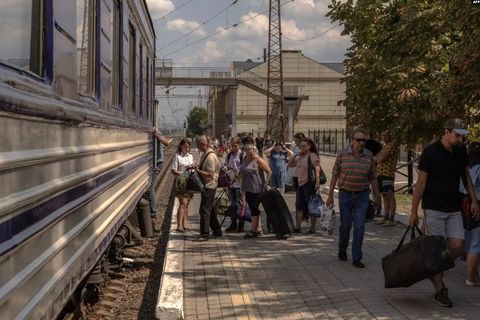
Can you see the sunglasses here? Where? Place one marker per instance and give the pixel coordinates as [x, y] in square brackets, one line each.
[359, 139]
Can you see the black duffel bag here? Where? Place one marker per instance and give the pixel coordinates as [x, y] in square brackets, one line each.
[417, 260]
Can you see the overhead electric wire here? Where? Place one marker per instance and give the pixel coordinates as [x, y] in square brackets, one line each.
[177, 8]
[220, 31]
[315, 36]
[198, 27]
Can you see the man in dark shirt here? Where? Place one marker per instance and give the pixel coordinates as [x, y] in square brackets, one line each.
[441, 165]
[259, 141]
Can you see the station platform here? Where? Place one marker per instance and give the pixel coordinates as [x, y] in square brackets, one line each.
[299, 278]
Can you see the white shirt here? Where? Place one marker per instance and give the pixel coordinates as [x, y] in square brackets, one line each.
[181, 161]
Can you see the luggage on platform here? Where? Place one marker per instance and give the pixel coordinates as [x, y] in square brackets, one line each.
[417, 260]
[277, 212]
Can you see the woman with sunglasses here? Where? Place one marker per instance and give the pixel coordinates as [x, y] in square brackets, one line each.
[256, 175]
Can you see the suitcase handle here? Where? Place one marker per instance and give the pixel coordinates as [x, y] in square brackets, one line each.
[412, 236]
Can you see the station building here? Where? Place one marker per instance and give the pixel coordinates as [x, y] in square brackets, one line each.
[242, 109]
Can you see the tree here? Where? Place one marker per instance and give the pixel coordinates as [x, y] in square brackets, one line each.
[196, 121]
[412, 64]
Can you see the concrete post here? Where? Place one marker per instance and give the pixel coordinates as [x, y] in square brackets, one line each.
[234, 110]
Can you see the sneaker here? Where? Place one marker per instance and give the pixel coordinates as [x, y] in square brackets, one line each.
[358, 264]
[378, 219]
[297, 230]
[441, 298]
[474, 283]
[389, 223]
[342, 256]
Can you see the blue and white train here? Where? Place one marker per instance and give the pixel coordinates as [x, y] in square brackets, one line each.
[76, 152]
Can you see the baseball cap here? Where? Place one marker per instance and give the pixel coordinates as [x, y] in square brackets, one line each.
[456, 125]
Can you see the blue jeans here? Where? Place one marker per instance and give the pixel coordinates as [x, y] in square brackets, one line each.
[353, 208]
[234, 195]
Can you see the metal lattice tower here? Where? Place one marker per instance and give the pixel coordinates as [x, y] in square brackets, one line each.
[275, 110]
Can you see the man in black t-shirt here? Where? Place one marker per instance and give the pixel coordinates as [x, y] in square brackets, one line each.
[441, 165]
[259, 141]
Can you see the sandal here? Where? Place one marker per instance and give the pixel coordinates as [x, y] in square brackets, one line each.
[180, 230]
[250, 235]
[297, 230]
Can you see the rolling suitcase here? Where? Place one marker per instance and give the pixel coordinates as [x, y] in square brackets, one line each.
[277, 212]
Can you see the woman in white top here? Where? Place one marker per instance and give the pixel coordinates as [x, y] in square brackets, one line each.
[183, 160]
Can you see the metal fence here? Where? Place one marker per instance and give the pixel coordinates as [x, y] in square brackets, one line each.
[329, 140]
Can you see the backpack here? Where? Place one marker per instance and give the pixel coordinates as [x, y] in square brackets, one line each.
[229, 155]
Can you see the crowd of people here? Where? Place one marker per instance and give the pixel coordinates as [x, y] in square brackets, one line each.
[445, 172]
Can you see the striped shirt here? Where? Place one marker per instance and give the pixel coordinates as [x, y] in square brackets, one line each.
[354, 173]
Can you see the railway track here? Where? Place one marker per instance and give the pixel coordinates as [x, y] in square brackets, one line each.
[130, 291]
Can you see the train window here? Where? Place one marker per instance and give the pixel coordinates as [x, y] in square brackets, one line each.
[21, 34]
[117, 54]
[131, 70]
[147, 89]
[86, 10]
[141, 80]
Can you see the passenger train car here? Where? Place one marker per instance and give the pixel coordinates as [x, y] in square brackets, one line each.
[76, 150]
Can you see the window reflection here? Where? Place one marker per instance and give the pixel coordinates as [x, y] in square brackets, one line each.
[116, 52]
[20, 33]
[86, 46]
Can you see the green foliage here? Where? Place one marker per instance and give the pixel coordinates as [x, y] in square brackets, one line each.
[196, 121]
[474, 134]
[412, 64]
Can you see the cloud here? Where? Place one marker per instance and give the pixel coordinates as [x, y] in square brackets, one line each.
[159, 8]
[305, 8]
[212, 51]
[185, 26]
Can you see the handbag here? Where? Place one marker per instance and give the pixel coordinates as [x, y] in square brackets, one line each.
[469, 222]
[311, 173]
[226, 177]
[316, 206]
[417, 260]
[194, 183]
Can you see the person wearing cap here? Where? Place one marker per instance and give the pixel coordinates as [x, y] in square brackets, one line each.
[441, 165]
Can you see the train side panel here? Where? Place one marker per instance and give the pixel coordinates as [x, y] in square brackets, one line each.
[72, 166]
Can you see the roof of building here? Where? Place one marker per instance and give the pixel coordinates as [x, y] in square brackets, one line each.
[338, 67]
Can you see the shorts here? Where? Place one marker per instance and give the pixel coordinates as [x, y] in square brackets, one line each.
[472, 241]
[303, 196]
[385, 184]
[446, 224]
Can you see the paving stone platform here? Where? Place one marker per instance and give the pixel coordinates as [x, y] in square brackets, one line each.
[301, 278]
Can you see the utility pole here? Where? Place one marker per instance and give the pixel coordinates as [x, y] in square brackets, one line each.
[275, 109]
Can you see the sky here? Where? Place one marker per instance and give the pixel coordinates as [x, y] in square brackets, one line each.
[202, 33]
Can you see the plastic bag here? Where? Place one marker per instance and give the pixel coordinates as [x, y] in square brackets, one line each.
[316, 206]
[245, 213]
[289, 176]
[222, 203]
[327, 221]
